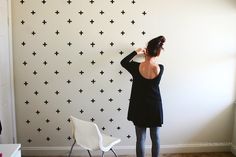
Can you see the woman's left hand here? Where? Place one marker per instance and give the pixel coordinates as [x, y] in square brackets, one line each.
[141, 51]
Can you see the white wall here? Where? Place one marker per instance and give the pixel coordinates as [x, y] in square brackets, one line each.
[233, 148]
[198, 85]
[6, 84]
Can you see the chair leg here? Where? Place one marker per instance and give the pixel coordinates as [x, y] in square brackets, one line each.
[113, 152]
[102, 153]
[72, 148]
[89, 153]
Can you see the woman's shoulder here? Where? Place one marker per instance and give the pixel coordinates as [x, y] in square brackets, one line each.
[158, 66]
[161, 66]
[135, 62]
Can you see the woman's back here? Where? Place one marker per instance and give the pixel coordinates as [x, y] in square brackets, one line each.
[149, 70]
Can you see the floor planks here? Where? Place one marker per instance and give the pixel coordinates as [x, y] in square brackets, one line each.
[168, 155]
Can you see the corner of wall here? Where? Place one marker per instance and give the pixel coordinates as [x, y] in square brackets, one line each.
[233, 149]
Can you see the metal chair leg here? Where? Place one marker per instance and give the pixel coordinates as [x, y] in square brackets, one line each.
[113, 152]
[89, 153]
[102, 153]
[71, 148]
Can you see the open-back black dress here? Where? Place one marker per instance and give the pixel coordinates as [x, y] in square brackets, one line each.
[145, 107]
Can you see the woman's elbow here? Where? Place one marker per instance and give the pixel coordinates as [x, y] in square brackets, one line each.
[122, 63]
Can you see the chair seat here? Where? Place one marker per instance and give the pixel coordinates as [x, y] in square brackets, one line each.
[108, 142]
[87, 135]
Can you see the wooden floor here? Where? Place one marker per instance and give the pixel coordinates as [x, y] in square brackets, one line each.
[175, 155]
[199, 155]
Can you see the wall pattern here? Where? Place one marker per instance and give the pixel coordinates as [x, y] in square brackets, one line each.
[67, 62]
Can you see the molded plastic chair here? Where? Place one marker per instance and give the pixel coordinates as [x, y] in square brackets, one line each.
[87, 135]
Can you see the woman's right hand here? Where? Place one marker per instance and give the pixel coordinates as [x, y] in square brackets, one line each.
[140, 51]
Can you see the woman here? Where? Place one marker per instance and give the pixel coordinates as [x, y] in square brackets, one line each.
[145, 108]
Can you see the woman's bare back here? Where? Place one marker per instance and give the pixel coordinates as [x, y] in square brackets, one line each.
[148, 70]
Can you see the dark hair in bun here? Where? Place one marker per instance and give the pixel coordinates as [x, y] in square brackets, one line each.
[155, 45]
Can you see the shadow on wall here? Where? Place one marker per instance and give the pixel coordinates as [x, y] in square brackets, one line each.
[233, 3]
[235, 74]
[215, 130]
[218, 135]
[201, 109]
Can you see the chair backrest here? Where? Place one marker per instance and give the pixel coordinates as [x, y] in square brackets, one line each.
[86, 134]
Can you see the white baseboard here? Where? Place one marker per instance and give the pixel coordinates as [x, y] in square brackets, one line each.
[130, 150]
[233, 149]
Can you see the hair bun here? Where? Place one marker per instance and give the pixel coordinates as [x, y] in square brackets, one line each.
[162, 40]
[155, 45]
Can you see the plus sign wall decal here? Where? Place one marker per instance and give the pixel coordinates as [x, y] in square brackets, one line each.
[69, 57]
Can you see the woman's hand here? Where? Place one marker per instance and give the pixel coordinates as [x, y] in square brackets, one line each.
[140, 51]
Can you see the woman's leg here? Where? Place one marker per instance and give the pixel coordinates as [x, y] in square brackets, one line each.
[154, 133]
[140, 143]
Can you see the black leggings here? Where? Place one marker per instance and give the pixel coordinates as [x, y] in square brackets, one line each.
[140, 143]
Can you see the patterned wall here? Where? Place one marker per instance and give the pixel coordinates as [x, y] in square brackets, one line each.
[67, 62]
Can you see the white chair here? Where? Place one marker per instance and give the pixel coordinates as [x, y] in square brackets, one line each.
[87, 135]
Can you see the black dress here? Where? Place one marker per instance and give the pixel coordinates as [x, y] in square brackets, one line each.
[145, 107]
[0, 128]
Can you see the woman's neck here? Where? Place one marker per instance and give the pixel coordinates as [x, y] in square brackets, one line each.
[150, 60]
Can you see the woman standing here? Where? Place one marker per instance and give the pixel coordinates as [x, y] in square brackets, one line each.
[145, 108]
